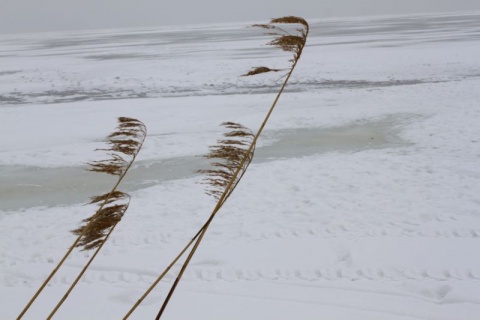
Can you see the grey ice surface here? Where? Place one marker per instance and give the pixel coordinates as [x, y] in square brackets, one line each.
[89, 48]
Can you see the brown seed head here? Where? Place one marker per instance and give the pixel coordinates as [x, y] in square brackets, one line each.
[96, 227]
[291, 19]
[125, 141]
[259, 70]
[288, 43]
[229, 154]
[284, 39]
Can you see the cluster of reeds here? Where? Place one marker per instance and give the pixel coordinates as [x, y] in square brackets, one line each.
[124, 145]
[230, 157]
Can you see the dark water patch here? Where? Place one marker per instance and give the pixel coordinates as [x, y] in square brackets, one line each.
[27, 186]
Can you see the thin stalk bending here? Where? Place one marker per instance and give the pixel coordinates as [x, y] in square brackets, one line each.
[125, 144]
[287, 42]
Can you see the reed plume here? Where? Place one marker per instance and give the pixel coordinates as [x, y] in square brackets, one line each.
[106, 217]
[228, 172]
[228, 155]
[284, 40]
[124, 145]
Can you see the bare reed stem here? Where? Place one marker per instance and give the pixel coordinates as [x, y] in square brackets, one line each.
[160, 277]
[286, 42]
[65, 296]
[220, 202]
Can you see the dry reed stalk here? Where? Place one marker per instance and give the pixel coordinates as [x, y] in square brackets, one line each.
[224, 179]
[160, 277]
[228, 153]
[125, 144]
[286, 42]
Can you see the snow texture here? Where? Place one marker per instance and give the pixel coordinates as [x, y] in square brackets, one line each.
[363, 201]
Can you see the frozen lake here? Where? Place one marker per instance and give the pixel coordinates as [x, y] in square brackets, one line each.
[362, 202]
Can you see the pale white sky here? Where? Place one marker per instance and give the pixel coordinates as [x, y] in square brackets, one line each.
[54, 15]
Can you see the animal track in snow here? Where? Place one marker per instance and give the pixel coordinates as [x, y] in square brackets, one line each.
[209, 274]
[339, 231]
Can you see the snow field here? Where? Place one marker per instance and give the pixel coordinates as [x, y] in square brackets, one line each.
[383, 231]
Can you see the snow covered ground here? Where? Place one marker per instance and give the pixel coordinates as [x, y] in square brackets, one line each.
[363, 202]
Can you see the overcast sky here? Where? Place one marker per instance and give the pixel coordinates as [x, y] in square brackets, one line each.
[55, 15]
